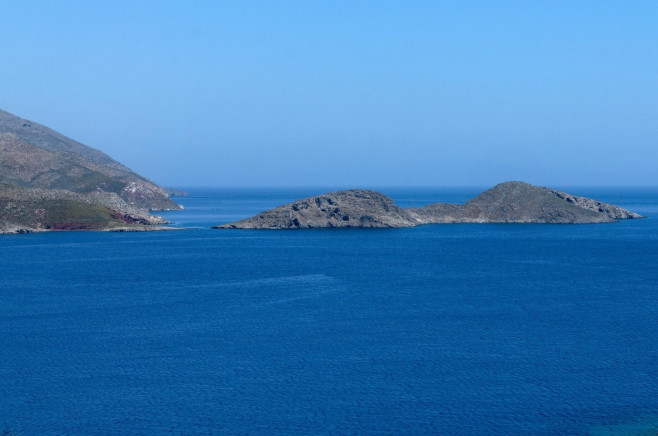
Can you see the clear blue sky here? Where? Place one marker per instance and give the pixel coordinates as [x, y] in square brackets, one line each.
[345, 93]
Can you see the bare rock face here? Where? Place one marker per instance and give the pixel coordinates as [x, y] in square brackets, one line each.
[510, 202]
[11, 228]
[612, 211]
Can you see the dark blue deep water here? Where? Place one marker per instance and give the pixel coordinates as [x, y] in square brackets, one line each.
[445, 329]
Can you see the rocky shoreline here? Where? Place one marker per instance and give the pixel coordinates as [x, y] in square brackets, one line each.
[49, 182]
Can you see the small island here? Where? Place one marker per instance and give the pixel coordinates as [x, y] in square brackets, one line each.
[509, 202]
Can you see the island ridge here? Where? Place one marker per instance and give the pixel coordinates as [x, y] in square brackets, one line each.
[509, 202]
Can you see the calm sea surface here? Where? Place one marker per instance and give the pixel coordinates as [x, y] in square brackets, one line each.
[445, 329]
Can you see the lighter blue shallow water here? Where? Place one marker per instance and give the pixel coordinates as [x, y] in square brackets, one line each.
[446, 329]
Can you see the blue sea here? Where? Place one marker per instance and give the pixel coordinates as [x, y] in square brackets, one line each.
[464, 329]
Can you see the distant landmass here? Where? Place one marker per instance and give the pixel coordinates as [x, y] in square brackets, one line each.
[51, 182]
[509, 202]
[174, 192]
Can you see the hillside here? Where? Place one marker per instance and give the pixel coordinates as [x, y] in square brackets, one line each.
[51, 182]
[32, 155]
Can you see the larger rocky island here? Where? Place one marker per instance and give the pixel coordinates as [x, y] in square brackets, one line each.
[509, 202]
[51, 182]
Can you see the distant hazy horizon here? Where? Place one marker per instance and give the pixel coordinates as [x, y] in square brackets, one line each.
[345, 94]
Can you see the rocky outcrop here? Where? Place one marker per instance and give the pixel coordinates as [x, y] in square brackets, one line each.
[7, 228]
[612, 211]
[351, 208]
[518, 202]
[510, 202]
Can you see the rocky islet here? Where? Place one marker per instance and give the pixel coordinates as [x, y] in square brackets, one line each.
[509, 202]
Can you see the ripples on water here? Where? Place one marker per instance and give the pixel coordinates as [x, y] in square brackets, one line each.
[454, 329]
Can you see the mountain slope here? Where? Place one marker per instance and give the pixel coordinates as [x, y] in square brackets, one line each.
[50, 182]
[33, 155]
